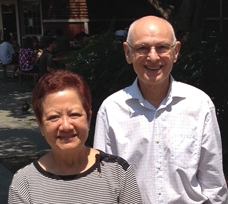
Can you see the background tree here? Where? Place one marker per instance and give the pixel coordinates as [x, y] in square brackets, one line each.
[184, 15]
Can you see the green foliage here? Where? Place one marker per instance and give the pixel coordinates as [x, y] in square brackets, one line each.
[102, 63]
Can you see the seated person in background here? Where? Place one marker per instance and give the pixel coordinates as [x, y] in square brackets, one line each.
[27, 57]
[62, 106]
[46, 63]
[7, 52]
[37, 47]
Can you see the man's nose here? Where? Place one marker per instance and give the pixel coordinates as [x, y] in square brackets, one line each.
[153, 55]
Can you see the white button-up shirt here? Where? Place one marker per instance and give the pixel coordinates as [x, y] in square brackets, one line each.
[175, 149]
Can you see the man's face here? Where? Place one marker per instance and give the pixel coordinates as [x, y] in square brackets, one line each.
[152, 51]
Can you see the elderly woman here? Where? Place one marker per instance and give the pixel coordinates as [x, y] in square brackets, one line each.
[71, 172]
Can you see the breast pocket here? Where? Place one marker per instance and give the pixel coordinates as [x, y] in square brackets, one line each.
[183, 149]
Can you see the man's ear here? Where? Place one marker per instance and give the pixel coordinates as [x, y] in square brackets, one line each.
[127, 52]
[176, 51]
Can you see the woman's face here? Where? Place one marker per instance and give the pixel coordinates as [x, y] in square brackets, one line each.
[64, 121]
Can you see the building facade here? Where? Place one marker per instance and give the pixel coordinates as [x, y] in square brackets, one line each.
[35, 17]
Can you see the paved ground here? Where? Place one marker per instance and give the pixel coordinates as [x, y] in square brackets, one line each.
[19, 133]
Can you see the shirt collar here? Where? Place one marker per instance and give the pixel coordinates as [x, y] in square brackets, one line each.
[175, 91]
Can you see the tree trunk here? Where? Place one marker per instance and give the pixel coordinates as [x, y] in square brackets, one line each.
[184, 15]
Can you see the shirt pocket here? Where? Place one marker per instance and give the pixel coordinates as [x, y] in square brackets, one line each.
[183, 149]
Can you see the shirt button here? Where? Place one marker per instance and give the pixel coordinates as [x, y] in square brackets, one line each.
[157, 141]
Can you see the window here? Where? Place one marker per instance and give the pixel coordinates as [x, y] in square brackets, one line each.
[217, 16]
[9, 18]
[32, 17]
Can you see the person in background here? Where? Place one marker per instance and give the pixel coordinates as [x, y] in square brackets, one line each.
[62, 49]
[7, 52]
[166, 129]
[80, 39]
[47, 33]
[28, 59]
[16, 47]
[62, 43]
[37, 47]
[122, 34]
[71, 172]
[46, 63]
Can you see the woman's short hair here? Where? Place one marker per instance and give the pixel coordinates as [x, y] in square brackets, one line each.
[57, 81]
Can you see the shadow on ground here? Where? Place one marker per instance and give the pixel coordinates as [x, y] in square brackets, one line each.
[21, 142]
[19, 132]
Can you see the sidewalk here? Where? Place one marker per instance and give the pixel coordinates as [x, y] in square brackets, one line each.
[19, 132]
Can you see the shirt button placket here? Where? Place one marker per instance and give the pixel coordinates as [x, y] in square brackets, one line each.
[158, 148]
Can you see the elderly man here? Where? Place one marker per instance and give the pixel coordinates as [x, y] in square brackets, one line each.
[166, 129]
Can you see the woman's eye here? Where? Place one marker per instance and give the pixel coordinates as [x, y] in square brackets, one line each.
[53, 118]
[75, 115]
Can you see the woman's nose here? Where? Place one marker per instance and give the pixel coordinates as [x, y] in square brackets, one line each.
[66, 123]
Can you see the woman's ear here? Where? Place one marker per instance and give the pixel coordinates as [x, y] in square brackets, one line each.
[40, 126]
[127, 52]
[89, 117]
[38, 122]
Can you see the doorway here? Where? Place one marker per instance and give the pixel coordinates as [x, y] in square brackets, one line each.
[9, 19]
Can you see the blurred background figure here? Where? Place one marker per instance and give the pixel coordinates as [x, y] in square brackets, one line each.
[37, 47]
[80, 39]
[122, 34]
[62, 43]
[16, 46]
[7, 52]
[46, 62]
[28, 59]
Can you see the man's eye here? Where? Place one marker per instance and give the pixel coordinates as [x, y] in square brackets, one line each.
[162, 48]
[143, 49]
